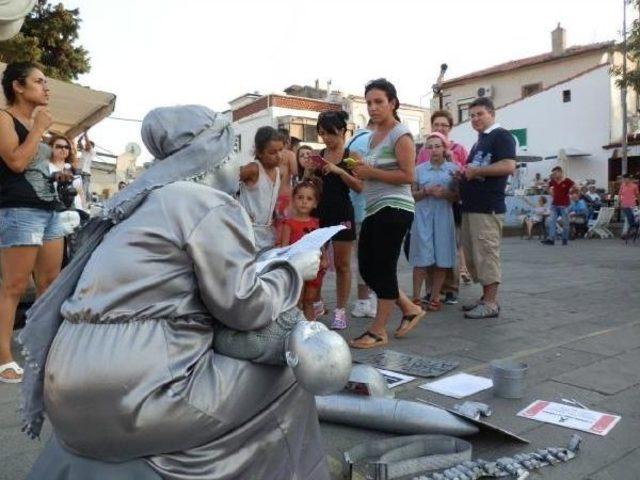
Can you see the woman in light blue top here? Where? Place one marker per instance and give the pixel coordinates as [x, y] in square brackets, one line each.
[433, 233]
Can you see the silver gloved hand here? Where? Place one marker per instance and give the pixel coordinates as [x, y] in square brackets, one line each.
[306, 264]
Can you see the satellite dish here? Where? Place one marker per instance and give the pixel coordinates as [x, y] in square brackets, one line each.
[133, 148]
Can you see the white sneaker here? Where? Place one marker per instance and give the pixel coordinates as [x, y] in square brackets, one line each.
[361, 309]
[372, 307]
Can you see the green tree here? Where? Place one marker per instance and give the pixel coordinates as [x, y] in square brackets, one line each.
[632, 78]
[49, 36]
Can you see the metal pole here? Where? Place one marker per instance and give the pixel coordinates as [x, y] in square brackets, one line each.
[624, 88]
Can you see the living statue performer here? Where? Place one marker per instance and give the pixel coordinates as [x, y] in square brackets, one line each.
[122, 351]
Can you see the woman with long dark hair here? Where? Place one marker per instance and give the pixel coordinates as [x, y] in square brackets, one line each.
[335, 206]
[31, 237]
[388, 171]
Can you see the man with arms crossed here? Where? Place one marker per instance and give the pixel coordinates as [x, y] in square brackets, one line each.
[482, 187]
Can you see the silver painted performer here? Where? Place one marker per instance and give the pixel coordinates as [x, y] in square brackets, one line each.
[128, 373]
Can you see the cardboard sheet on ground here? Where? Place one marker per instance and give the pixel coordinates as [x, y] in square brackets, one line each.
[459, 385]
[311, 241]
[395, 379]
[571, 417]
[404, 363]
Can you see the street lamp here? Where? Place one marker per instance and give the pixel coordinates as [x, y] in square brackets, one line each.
[624, 160]
[437, 87]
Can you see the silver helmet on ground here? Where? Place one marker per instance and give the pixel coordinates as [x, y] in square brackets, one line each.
[320, 358]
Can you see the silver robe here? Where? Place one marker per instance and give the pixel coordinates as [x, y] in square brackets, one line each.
[132, 372]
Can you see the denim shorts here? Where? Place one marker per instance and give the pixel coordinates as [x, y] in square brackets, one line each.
[23, 227]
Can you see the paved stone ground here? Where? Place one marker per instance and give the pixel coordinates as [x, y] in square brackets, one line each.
[571, 313]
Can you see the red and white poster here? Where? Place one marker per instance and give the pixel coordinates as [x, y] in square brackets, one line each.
[570, 417]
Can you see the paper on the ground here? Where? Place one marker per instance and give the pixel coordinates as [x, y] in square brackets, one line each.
[311, 241]
[571, 417]
[459, 385]
[394, 379]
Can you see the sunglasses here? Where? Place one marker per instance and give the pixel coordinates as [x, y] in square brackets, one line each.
[62, 147]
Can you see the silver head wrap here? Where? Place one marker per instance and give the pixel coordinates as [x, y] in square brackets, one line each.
[189, 143]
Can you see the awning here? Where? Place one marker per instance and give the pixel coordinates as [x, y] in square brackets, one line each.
[569, 152]
[528, 158]
[74, 108]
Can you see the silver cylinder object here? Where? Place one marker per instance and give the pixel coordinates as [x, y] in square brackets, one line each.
[390, 415]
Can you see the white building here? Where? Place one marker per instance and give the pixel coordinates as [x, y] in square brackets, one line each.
[563, 106]
[569, 124]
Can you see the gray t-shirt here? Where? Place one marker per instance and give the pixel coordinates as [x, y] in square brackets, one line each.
[379, 195]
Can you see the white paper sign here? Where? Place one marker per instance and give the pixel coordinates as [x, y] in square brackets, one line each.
[459, 385]
[570, 417]
[311, 241]
[394, 379]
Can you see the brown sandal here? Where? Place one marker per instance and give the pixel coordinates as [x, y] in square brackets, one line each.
[408, 323]
[434, 305]
[368, 340]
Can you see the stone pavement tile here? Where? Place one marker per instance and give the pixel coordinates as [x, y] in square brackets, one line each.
[554, 391]
[613, 343]
[16, 444]
[576, 331]
[625, 403]
[431, 346]
[625, 468]
[9, 394]
[609, 376]
[492, 348]
[17, 466]
[596, 452]
[9, 416]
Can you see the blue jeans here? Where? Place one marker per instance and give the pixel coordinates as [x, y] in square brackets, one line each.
[628, 213]
[558, 211]
[22, 227]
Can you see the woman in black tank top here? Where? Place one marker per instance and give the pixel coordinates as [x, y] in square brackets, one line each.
[28, 221]
[335, 206]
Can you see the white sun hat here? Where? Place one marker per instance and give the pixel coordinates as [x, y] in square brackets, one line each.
[12, 14]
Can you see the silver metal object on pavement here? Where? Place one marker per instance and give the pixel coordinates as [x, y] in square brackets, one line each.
[391, 415]
[401, 456]
[517, 466]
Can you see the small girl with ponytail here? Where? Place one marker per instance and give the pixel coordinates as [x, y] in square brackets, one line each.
[306, 196]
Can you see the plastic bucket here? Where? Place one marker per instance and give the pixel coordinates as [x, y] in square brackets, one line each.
[508, 378]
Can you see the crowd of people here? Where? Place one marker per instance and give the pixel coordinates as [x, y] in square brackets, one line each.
[445, 204]
[173, 259]
[566, 207]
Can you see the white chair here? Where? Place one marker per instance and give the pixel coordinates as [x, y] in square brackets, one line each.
[600, 226]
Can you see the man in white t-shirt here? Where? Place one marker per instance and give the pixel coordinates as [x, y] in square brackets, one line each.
[87, 156]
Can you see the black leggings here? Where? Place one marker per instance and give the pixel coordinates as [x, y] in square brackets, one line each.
[379, 247]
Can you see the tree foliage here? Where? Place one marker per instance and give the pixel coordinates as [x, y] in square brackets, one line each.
[632, 78]
[48, 37]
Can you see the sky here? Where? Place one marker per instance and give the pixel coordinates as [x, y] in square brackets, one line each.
[160, 52]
